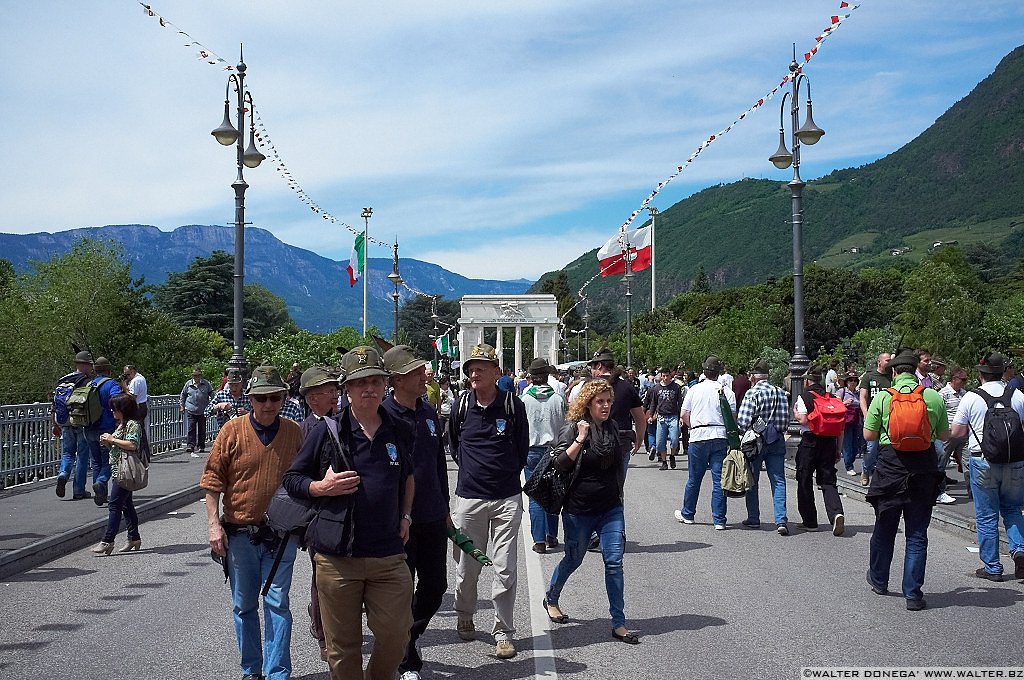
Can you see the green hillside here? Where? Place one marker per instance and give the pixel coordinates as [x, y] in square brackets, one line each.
[960, 180]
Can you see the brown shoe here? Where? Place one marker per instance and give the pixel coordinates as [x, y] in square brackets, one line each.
[864, 479]
[503, 647]
[466, 630]
[540, 548]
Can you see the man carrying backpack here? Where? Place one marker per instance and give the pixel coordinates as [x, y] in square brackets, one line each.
[990, 417]
[105, 424]
[905, 419]
[74, 442]
[822, 420]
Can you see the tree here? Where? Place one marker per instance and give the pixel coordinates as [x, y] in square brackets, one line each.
[700, 282]
[203, 296]
[284, 348]
[414, 319]
[558, 285]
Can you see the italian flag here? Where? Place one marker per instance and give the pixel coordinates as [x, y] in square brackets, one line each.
[355, 262]
[445, 348]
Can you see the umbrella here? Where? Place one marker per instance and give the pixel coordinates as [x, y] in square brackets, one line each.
[462, 540]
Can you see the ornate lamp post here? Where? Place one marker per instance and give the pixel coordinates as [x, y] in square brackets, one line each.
[654, 214]
[396, 279]
[808, 133]
[249, 157]
[577, 333]
[435, 318]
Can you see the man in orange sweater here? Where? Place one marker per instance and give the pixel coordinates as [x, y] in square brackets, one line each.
[248, 459]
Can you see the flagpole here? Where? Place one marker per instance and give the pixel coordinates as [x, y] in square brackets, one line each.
[367, 214]
[654, 213]
[628, 277]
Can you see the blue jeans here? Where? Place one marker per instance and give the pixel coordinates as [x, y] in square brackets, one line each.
[998, 489]
[870, 457]
[916, 518]
[541, 523]
[248, 567]
[120, 503]
[611, 527]
[853, 437]
[710, 453]
[652, 436]
[75, 452]
[774, 458]
[668, 433]
[100, 456]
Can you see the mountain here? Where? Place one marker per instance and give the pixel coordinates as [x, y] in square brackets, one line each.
[315, 288]
[959, 180]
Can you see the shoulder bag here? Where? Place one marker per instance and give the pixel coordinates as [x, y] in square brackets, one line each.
[132, 472]
[549, 485]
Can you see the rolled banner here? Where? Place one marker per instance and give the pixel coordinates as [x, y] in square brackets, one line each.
[462, 540]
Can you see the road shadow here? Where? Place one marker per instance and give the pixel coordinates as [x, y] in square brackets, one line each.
[51, 574]
[178, 549]
[29, 646]
[677, 547]
[18, 537]
[175, 515]
[981, 596]
[496, 669]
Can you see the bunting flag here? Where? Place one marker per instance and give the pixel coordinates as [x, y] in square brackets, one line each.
[445, 348]
[355, 262]
[835, 21]
[612, 255]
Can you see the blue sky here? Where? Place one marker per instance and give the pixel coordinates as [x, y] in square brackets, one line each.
[498, 139]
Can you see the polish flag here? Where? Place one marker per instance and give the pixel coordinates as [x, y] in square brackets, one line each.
[611, 256]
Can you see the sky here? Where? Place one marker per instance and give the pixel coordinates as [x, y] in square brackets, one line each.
[497, 138]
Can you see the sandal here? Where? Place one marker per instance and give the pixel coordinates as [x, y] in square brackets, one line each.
[628, 638]
[562, 618]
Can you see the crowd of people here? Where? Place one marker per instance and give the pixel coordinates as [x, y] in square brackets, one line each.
[368, 446]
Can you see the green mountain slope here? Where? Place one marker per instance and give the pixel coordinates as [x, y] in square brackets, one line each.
[961, 179]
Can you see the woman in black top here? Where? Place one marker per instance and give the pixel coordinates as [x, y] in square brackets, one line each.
[589, 447]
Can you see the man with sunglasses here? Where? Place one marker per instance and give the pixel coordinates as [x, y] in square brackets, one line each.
[249, 457]
[229, 401]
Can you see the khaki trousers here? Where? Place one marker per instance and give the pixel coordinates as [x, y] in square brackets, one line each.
[493, 526]
[384, 585]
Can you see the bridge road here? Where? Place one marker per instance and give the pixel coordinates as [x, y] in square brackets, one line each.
[708, 604]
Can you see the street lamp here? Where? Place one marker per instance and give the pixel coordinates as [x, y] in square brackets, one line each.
[654, 213]
[586, 327]
[808, 133]
[366, 215]
[577, 333]
[249, 157]
[435, 318]
[396, 279]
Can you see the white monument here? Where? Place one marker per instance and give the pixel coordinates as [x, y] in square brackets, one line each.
[539, 312]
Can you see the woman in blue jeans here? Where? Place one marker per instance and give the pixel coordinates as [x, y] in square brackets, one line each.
[853, 435]
[124, 438]
[588, 449]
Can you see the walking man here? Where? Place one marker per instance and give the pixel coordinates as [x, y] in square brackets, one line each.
[765, 408]
[545, 411]
[871, 383]
[426, 550]
[229, 401]
[245, 467]
[74, 441]
[627, 409]
[137, 385]
[998, 487]
[816, 457]
[663, 408]
[490, 439]
[195, 397]
[702, 413]
[906, 480]
[107, 388]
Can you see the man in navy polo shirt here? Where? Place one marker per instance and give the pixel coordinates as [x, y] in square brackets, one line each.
[490, 439]
[425, 551]
[359, 465]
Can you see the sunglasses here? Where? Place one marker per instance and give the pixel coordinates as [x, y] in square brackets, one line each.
[261, 398]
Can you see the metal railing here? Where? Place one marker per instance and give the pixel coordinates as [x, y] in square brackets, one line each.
[29, 451]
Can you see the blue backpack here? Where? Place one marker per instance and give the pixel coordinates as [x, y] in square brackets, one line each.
[65, 387]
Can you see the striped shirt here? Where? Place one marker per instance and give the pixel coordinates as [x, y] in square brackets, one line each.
[767, 401]
[952, 399]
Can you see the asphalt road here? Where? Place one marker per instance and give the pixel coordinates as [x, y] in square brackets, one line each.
[708, 604]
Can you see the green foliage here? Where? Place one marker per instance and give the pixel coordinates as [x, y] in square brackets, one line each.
[558, 285]
[284, 347]
[940, 313]
[203, 296]
[1003, 325]
[414, 320]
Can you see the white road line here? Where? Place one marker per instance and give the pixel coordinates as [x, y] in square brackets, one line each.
[543, 652]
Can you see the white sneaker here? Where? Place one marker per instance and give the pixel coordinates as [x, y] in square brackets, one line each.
[719, 527]
[852, 473]
[194, 455]
[409, 675]
[679, 518]
[945, 499]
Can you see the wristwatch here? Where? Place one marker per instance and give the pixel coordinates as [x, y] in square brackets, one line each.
[408, 517]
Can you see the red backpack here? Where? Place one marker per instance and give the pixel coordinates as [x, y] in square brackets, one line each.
[828, 416]
[909, 428]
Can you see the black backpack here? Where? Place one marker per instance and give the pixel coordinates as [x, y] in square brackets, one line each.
[1002, 438]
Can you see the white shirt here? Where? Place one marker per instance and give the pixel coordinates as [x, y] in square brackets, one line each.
[138, 387]
[972, 411]
[830, 381]
[557, 385]
[801, 407]
[705, 409]
[725, 380]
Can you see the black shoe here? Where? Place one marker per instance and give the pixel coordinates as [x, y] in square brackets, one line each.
[628, 638]
[981, 573]
[782, 529]
[652, 455]
[62, 483]
[561, 618]
[189, 449]
[552, 542]
[672, 462]
[876, 589]
[82, 497]
[751, 524]
[664, 466]
[950, 481]
[540, 548]
[595, 545]
[1018, 565]
[916, 605]
[100, 491]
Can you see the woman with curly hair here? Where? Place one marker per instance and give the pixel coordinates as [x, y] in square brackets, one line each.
[588, 450]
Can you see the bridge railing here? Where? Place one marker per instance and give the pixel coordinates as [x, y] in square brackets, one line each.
[30, 452]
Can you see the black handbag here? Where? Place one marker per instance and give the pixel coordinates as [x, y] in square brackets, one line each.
[549, 485]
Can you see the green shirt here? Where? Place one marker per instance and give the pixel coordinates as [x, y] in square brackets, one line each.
[878, 411]
[128, 431]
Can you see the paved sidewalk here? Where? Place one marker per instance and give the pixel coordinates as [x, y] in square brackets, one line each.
[38, 526]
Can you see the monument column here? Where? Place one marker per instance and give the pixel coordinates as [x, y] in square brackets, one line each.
[498, 348]
[518, 361]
